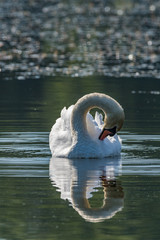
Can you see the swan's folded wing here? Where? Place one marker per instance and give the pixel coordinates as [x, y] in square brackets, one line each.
[60, 136]
[99, 119]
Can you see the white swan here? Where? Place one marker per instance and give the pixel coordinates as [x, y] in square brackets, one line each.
[77, 135]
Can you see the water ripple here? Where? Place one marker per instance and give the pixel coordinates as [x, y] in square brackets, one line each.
[140, 154]
[27, 154]
[24, 154]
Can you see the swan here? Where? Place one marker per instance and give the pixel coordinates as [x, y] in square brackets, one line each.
[76, 134]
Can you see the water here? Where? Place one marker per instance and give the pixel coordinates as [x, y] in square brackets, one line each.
[47, 198]
[51, 54]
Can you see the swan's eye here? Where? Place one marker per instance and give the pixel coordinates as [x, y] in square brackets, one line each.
[107, 132]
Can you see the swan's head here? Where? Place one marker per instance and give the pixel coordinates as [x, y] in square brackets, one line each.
[114, 114]
[113, 121]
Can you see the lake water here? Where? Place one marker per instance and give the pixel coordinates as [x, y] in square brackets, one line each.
[51, 54]
[50, 198]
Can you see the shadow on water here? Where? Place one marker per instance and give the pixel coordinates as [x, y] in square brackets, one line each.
[79, 181]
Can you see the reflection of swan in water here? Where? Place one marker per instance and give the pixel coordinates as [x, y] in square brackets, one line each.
[77, 180]
[77, 135]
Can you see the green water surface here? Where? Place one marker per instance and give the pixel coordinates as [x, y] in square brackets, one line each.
[31, 208]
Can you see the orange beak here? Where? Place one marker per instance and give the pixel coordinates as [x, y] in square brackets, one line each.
[107, 132]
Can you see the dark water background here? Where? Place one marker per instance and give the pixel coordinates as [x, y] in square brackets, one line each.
[51, 54]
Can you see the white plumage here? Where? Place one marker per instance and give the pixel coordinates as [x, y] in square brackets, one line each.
[76, 133]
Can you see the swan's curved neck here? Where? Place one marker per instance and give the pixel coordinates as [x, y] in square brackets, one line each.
[78, 119]
[84, 104]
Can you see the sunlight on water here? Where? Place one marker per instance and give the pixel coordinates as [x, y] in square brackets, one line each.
[79, 38]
